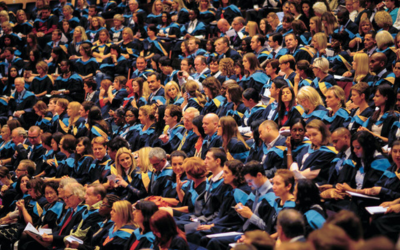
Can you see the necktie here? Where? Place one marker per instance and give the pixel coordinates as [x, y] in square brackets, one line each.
[66, 223]
[183, 141]
[273, 54]
[253, 209]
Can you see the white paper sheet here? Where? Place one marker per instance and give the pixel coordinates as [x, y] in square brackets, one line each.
[191, 227]
[71, 238]
[362, 195]
[224, 234]
[230, 33]
[376, 209]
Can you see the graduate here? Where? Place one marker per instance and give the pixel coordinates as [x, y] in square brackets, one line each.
[319, 156]
[338, 116]
[212, 90]
[83, 160]
[311, 101]
[359, 115]
[98, 166]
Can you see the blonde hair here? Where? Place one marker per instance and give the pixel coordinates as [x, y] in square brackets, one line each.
[145, 165]
[149, 111]
[322, 63]
[129, 31]
[330, 21]
[43, 66]
[384, 38]
[192, 88]
[322, 128]
[124, 211]
[69, 8]
[274, 16]
[63, 103]
[100, 20]
[119, 17]
[153, 8]
[321, 39]
[383, 19]
[6, 24]
[118, 166]
[362, 68]
[364, 20]
[339, 93]
[5, 14]
[318, 24]
[252, 28]
[167, 87]
[227, 66]
[83, 34]
[74, 106]
[310, 94]
[180, 3]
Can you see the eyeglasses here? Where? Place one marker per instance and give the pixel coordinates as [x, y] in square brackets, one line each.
[32, 137]
[67, 197]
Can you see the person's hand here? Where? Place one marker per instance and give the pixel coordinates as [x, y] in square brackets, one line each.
[40, 34]
[133, 103]
[114, 57]
[179, 183]
[21, 205]
[288, 142]
[343, 187]
[204, 227]
[73, 57]
[159, 103]
[347, 74]
[363, 129]
[18, 113]
[72, 244]
[102, 91]
[185, 74]
[50, 161]
[393, 209]
[120, 181]
[372, 191]
[387, 204]
[245, 212]
[47, 238]
[110, 90]
[164, 138]
[4, 188]
[325, 187]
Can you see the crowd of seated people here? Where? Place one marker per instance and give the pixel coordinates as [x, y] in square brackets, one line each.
[136, 124]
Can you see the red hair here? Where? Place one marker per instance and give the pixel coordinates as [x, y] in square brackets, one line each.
[163, 223]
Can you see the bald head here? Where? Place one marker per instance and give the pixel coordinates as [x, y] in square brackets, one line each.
[341, 139]
[377, 62]
[210, 124]
[223, 25]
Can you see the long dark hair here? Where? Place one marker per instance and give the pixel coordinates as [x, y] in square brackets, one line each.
[307, 195]
[95, 117]
[18, 187]
[148, 208]
[387, 91]
[164, 224]
[281, 105]
[198, 122]
[88, 147]
[369, 145]
[160, 124]
[256, 135]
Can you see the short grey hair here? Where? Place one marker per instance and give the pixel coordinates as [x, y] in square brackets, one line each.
[192, 110]
[319, 8]
[76, 189]
[157, 152]
[21, 79]
[65, 181]
[21, 131]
